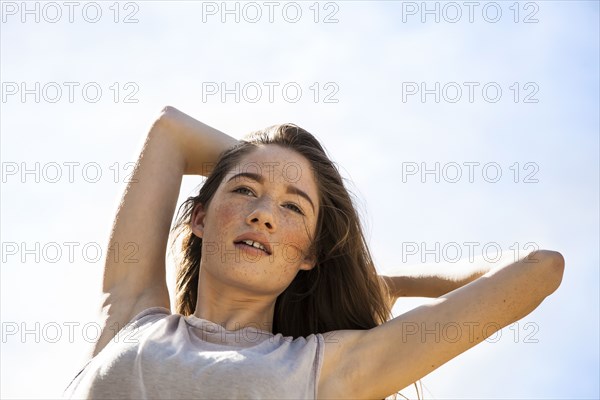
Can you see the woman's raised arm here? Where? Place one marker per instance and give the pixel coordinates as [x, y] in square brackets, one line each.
[378, 362]
[435, 280]
[134, 270]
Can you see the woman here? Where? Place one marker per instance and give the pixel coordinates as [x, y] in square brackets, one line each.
[277, 296]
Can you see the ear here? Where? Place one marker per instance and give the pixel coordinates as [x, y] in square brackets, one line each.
[197, 223]
[308, 263]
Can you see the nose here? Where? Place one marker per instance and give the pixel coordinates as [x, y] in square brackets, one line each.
[261, 216]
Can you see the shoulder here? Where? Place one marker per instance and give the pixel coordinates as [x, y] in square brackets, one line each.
[143, 319]
[115, 327]
[124, 336]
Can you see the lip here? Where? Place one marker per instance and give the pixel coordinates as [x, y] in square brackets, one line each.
[256, 237]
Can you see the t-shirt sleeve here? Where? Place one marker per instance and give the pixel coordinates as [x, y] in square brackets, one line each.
[149, 314]
[319, 358]
[143, 318]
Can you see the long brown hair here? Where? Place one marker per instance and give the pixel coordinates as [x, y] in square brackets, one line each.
[343, 290]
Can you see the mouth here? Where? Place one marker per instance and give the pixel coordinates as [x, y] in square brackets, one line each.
[252, 245]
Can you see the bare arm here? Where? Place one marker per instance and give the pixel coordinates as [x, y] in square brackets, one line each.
[380, 361]
[435, 280]
[200, 143]
[134, 270]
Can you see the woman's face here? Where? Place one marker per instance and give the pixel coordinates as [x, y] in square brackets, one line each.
[270, 200]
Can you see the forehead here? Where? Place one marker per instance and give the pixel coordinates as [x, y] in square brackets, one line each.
[278, 164]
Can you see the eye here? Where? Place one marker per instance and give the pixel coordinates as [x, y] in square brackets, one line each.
[294, 207]
[243, 190]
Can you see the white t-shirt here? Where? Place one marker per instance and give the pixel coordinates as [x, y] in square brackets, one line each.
[169, 356]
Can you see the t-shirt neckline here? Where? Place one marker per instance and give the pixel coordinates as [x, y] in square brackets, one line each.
[213, 327]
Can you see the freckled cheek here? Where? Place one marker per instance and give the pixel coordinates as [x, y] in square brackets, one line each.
[293, 240]
[223, 216]
[227, 211]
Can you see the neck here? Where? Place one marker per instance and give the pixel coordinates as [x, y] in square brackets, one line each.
[232, 307]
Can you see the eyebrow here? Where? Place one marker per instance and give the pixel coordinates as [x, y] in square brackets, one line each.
[260, 179]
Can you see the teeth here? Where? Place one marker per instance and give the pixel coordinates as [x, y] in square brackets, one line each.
[255, 244]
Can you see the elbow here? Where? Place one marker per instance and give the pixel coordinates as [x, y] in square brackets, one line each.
[552, 265]
[555, 263]
[166, 122]
[167, 115]
[168, 111]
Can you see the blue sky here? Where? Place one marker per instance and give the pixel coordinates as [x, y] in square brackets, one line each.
[366, 61]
